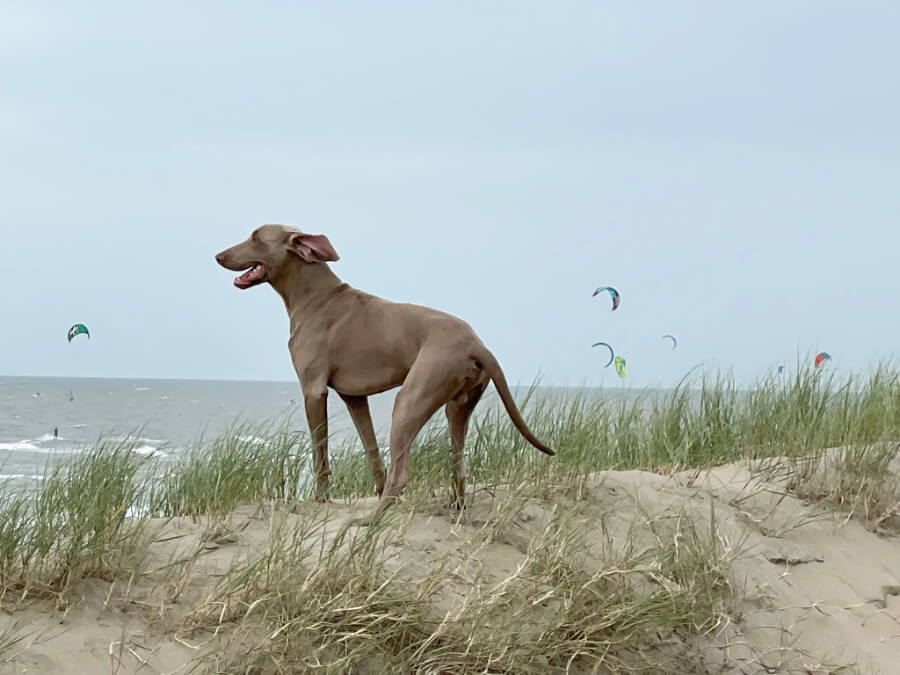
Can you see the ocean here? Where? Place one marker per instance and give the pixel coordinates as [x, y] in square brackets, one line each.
[45, 418]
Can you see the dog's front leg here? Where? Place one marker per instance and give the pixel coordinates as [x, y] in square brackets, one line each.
[317, 417]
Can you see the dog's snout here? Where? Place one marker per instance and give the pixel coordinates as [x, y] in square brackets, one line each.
[220, 258]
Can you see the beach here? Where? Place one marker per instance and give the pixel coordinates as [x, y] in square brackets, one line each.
[811, 591]
[709, 532]
[590, 307]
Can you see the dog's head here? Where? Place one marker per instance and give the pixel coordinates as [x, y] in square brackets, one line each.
[265, 253]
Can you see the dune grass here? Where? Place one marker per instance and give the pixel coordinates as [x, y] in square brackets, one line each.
[693, 426]
[74, 525]
[835, 441]
[302, 605]
[76, 518]
[244, 465]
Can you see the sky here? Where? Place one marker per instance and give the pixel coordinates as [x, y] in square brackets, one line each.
[731, 168]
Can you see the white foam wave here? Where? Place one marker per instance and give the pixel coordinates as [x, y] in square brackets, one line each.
[136, 439]
[19, 476]
[252, 440]
[142, 388]
[149, 451]
[20, 446]
[50, 449]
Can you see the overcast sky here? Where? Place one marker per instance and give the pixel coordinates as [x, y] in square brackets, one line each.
[732, 168]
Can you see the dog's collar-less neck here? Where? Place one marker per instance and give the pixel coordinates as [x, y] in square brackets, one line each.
[304, 287]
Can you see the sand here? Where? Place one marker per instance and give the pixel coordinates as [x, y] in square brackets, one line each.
[818, 590]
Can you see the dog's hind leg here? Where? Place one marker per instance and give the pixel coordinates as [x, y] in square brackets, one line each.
[458, 411]
[435, 378]
[362, 420]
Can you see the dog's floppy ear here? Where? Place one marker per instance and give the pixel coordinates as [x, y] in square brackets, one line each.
[312, 247]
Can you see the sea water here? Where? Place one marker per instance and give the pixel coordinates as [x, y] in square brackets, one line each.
[43, 419]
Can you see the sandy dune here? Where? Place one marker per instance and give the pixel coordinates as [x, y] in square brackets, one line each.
[816, 591]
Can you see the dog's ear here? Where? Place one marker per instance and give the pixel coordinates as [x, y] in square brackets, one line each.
[312, 247]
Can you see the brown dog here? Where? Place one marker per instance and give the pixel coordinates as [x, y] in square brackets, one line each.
[359, 344]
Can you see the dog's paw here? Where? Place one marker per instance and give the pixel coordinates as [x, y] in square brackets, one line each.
[456, 503]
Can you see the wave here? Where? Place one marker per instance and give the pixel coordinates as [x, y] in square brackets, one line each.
[136, 439]
[19, 476]
[142, 388]
[25, 446]
[20, 446]
[141, 447]
[45, 438]
[148, 447]
[149, 451]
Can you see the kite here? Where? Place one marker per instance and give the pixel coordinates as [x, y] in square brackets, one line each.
[620, 366]
[672, 338]
[821, 358]
[780, 369]
[612, 354]
[613, 293]
[78, 329]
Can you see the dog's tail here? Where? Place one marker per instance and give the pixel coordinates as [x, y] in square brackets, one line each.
[496, 374]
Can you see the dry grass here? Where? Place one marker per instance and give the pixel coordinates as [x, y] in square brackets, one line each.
[75, 525]
[578, 598]
[573, 601]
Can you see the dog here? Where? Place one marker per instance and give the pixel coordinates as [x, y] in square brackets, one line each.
[358, 344]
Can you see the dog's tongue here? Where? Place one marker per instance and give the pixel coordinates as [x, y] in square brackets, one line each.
[254, 275]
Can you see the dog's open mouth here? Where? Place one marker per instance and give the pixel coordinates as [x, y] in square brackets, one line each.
[255, 275]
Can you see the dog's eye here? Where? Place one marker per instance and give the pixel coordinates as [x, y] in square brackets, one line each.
[255, 236]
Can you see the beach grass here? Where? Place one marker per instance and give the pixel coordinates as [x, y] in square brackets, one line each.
[301, 606]
[696, 425]
[833, 442]
[75, 524]
[246, 464]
